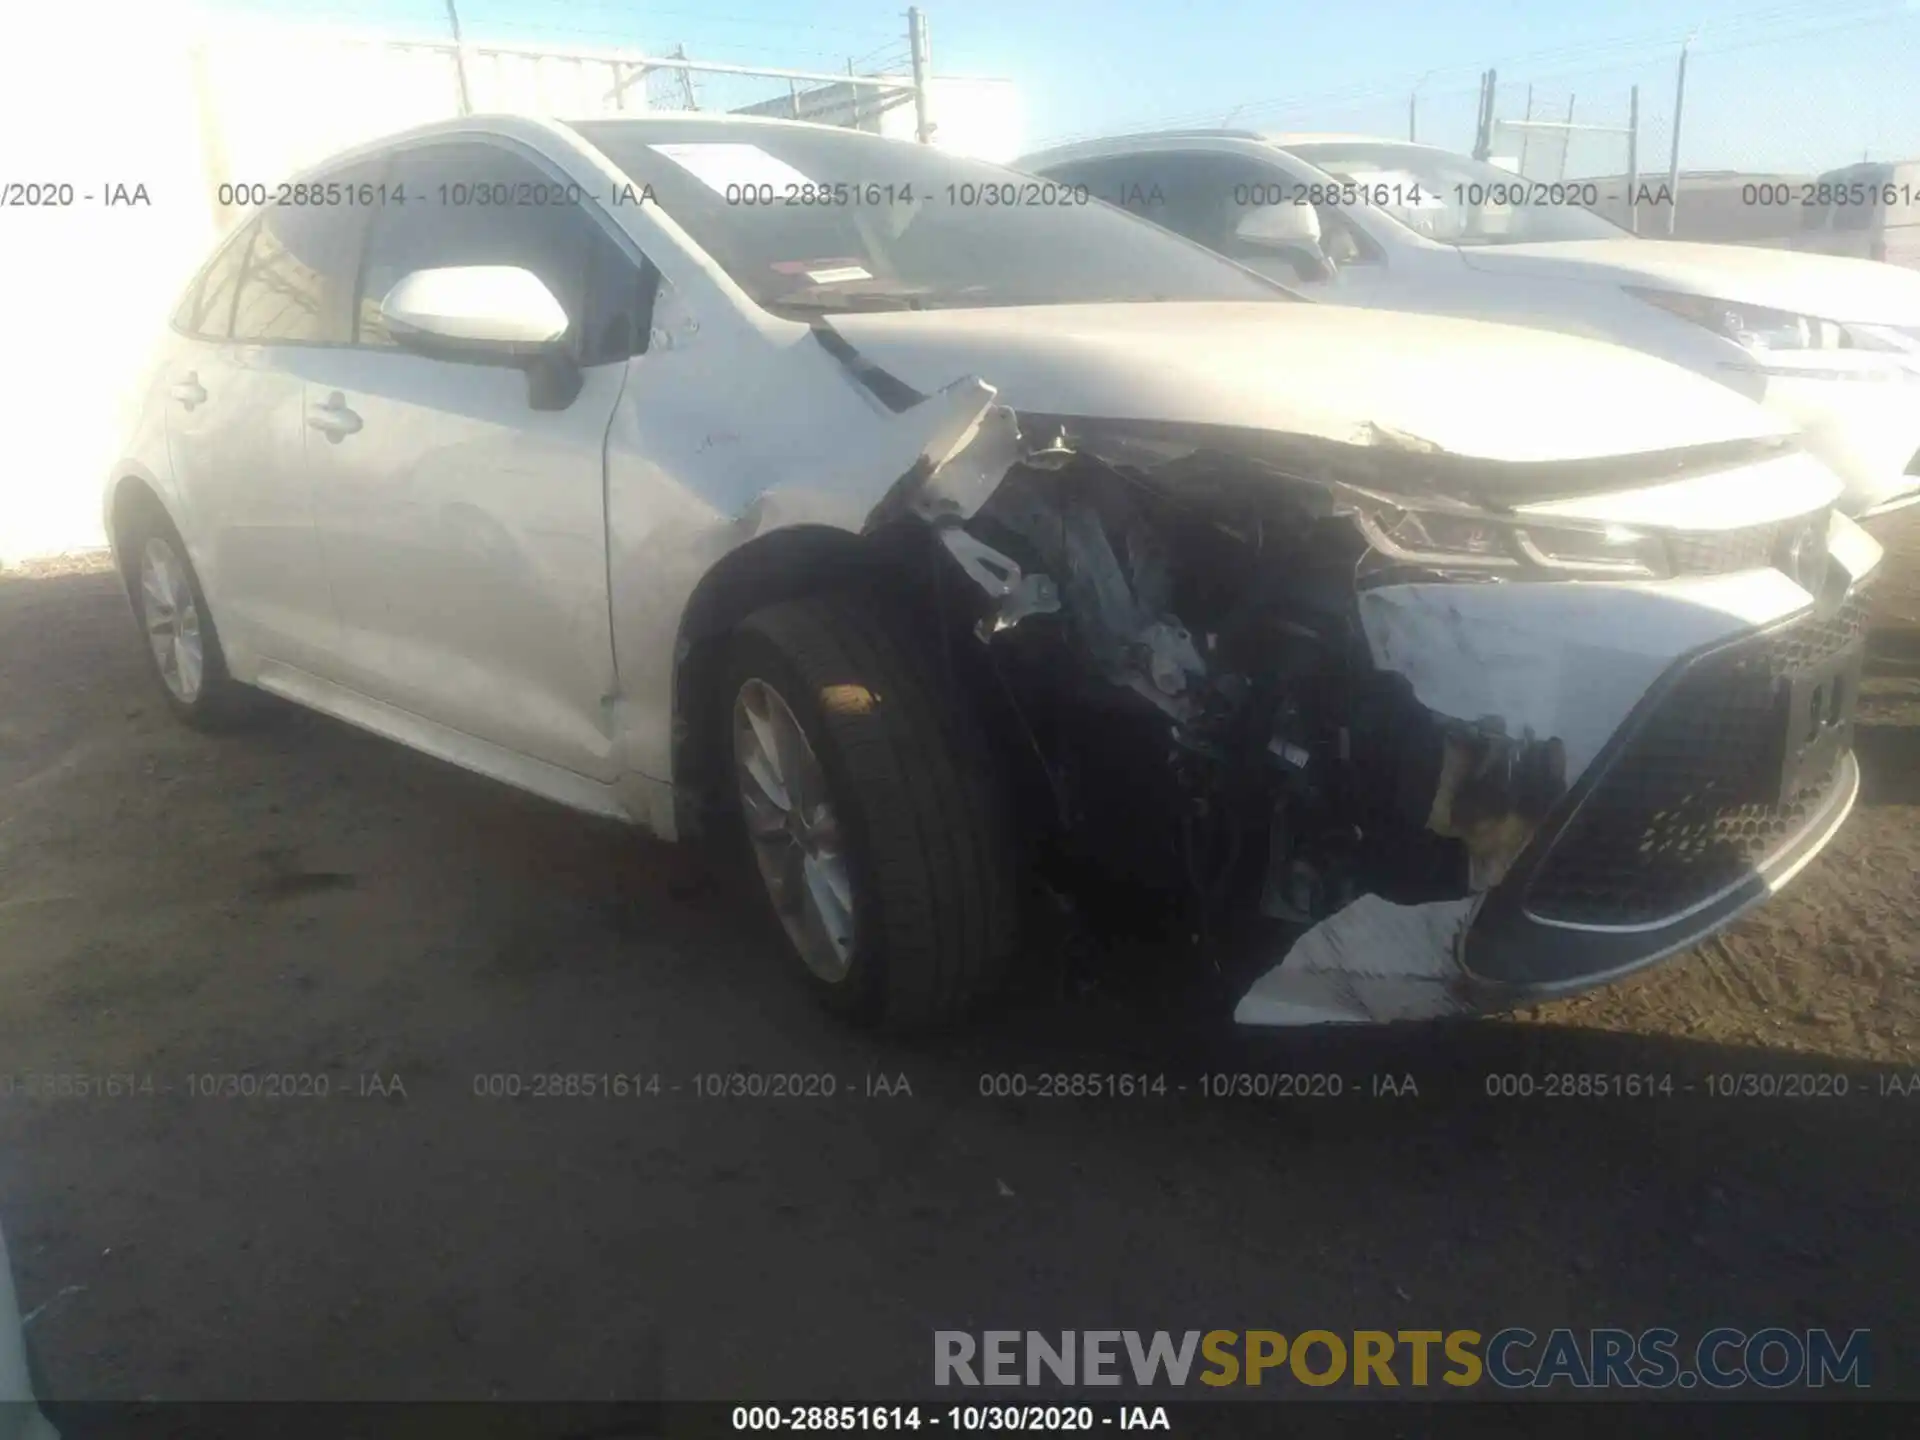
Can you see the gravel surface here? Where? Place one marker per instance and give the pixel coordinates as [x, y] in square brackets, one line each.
[305, 901]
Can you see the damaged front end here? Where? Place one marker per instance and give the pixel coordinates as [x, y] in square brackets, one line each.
[1344, 685]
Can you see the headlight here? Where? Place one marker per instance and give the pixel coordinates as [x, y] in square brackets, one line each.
[1455, 540]
[1757, 328]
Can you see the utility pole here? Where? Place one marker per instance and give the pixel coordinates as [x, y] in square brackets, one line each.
[1633, 160]
[917, 47]
[1526, 133]
[686, 78]
[459, 60]
[1673, 162]
[1483, 139]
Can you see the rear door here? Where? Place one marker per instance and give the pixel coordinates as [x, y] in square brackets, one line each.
[275, 295]
[464, 529]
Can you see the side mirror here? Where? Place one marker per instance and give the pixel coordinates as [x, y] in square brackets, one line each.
[498, 314]
[1290, 230]
[476, 312]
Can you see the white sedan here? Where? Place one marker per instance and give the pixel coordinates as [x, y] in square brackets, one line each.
[1831, 345]
[916, 525]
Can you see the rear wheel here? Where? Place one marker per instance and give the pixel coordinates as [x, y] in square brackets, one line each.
[179, 631]
[871, 807]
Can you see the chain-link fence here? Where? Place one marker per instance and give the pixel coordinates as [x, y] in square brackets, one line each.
[269, 97]
[1555, 139]
[1745, 108]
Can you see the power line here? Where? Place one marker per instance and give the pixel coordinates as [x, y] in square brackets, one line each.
[758, 22]
[1875, 12]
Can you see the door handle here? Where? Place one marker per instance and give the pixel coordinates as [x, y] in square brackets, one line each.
[334, 419]
[190, 392]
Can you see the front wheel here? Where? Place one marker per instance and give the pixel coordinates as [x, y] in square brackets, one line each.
[871, 806]
[174, 620]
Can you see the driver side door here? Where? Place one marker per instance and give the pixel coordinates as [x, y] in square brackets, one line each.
[463, 523]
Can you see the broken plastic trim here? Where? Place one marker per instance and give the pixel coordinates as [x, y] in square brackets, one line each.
[1493, 793]
[1014, 593]
[1370, 963]
[968, 447]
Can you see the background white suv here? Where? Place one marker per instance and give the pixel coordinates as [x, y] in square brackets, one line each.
[1831, 344]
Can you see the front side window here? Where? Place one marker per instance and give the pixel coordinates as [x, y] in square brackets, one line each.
[472, 203]
[297, 284]
[811, 221]
[1454, 199]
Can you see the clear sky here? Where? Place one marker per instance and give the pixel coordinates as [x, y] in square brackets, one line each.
[1772, 84]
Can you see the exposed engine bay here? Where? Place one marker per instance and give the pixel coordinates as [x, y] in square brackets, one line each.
[1181, 641]
[1335, 677]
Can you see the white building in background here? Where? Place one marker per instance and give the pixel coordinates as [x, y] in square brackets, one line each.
[144, 110]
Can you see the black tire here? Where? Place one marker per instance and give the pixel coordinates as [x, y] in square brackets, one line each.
[920, 805]
[220, 702]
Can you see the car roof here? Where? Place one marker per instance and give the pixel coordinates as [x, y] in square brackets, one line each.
[677, 125]
[1127, 144]
[684, 122]
[1286, 140]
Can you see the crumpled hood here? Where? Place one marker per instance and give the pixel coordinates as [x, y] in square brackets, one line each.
[1476, 389]
[1828, 287]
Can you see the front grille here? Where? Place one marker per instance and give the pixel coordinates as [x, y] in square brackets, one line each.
[1679, 815]
[1724, 552]
[1798, 547]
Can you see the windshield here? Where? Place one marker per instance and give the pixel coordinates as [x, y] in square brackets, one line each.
[1461, 201]
[810, 221]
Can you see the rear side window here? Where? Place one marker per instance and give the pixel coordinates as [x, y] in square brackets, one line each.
[297, 284]
[465, 207]
[206, 310]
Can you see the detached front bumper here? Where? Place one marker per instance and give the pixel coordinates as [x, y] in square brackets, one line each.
[1731, 774]
[1701, 781]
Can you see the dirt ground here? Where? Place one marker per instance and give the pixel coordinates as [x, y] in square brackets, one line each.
[306, 901]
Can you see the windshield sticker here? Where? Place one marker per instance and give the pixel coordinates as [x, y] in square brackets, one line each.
[838, 274]
[730, 167]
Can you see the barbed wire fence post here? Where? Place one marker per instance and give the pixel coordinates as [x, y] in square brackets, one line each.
[922, 62]
[1673, 162]
[1633, 160]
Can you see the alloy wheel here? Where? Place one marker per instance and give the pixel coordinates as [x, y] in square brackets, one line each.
[172, 620]
[796, 837]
